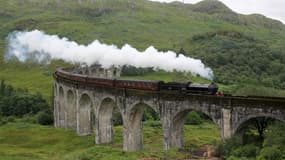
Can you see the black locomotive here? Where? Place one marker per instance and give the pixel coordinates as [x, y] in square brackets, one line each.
[189, 87]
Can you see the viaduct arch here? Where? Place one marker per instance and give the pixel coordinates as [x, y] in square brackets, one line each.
[84, 115]
[93, 105]
[104, 124]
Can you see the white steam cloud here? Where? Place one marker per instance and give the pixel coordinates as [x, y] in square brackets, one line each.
[42, 48]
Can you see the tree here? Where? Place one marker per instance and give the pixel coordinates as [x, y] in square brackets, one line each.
[19, 105]
[9, 91]
[45, 118]
[273, 145]
[258, 125]
[182, 51]
[261, 125]
[193, 118]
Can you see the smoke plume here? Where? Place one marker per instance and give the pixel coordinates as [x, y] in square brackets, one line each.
[42, 48]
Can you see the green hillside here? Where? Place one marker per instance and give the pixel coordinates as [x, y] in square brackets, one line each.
[240, 49]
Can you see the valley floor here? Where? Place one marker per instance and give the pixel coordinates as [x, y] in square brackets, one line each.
[24, 141]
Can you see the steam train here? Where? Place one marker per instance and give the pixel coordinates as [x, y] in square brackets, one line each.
[148, 85]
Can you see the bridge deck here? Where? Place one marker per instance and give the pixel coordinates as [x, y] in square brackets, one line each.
[66, 75]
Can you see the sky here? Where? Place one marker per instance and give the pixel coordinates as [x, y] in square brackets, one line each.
[274, 9]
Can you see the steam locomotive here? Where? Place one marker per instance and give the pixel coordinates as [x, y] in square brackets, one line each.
[148, 85]
[189, 87]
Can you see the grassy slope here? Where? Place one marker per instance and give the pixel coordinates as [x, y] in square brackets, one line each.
[20, 141]
[139, 23]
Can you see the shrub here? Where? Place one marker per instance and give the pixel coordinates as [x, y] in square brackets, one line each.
[275, 135]
[246, 151]
[3, 121]
[11, 119]
[150, 114]
[270, 153]
[30, 119]
[193, 118]
[229, 145]
[45, 118]
[19, 105]
[273, 145]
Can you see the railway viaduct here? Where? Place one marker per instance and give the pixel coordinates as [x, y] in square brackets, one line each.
[87, 108]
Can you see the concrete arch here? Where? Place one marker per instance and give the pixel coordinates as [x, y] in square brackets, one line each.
[104, 123]
[133, 130]
[95, 103]
[110, 97]
[136, 113]
[84, 115]
[85, 93]
[61, 107]
[241, 123]
[144, 104]
[176, 137]
[180, 113]
[71, 110]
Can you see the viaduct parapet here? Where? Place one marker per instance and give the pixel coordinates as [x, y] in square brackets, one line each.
[87, 108]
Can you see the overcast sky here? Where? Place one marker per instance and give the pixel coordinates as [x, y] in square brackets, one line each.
[270, 8]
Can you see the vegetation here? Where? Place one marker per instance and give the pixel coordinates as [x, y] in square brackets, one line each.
[236, 57]
[19, 103]
[270, 148]
[194, 118]
[21, 141]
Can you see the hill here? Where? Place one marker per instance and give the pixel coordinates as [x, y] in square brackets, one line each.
[241, 49]
[211, 7]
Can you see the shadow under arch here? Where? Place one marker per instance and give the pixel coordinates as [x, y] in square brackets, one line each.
[253, 129]
[179, 122]
[104, 121]
[133, 127]
[61, 108]
[84, 115]
[261, 121]
[71, 110]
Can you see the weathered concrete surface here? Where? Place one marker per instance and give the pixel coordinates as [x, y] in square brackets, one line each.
[86, 108]
[226, 123]
[71, 112]
[104, 131]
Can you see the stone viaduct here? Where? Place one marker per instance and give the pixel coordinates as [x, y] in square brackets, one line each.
[88, 107]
